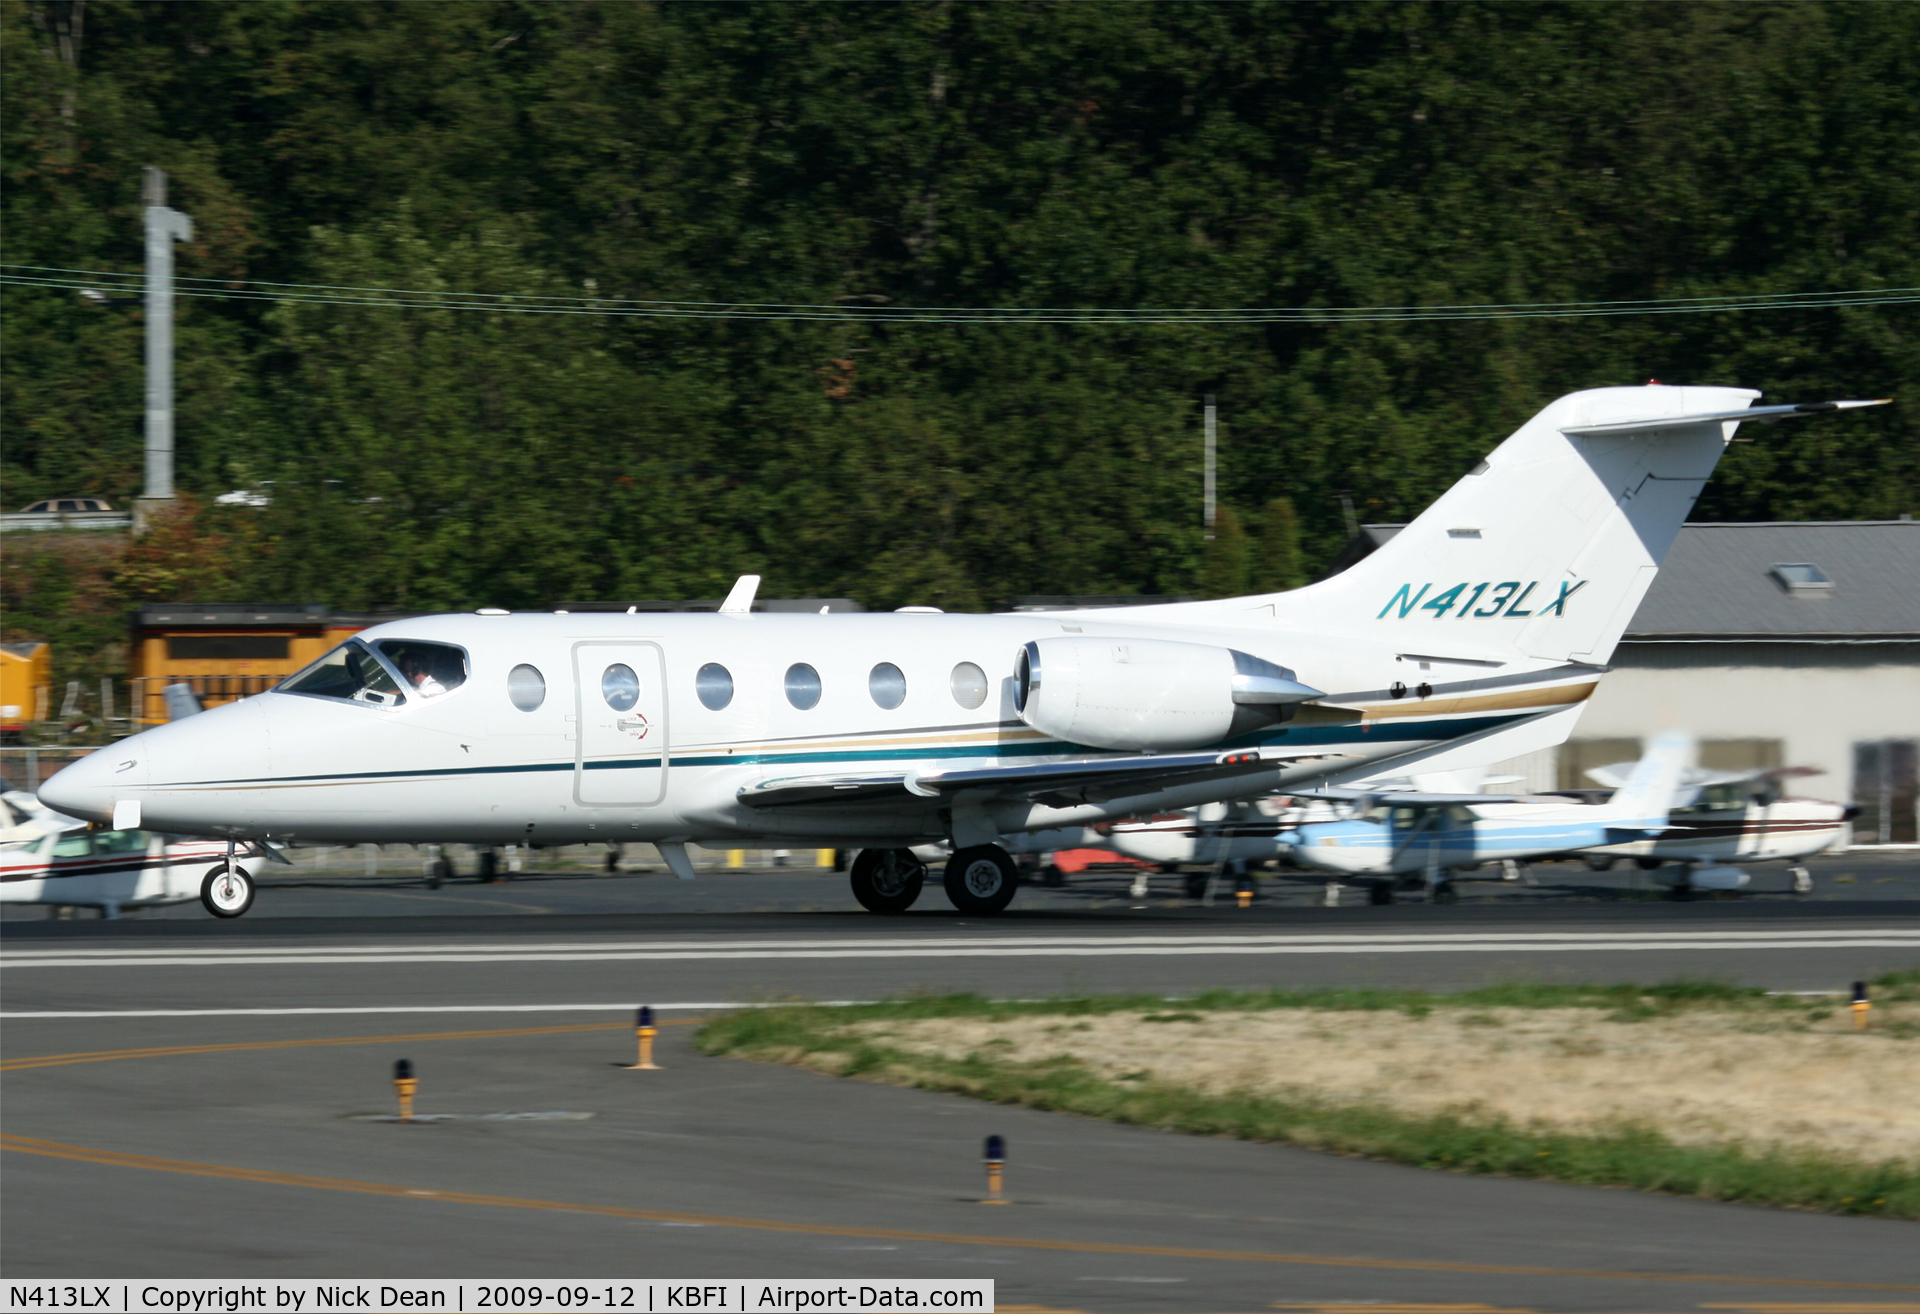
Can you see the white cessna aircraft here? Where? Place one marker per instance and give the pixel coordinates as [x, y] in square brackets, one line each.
[1475, 635]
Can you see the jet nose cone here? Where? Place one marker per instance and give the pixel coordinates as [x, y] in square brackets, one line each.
[89, 788]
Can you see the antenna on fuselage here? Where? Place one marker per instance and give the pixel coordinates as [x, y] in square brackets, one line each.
[740, 598]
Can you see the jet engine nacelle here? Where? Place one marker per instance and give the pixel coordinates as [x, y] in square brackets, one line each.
[1149, 694]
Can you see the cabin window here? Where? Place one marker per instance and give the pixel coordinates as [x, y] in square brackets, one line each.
[620, 687]
[430, 669]
[969, 685]
[526, 687]
[887, 685]
[73, 845]
[803, 686]
[714, 684]
[351, 672]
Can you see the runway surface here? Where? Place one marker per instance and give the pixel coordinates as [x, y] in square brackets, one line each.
[180, 1099]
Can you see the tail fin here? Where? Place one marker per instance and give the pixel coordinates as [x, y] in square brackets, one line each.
[1546, 549]
[1654, 784]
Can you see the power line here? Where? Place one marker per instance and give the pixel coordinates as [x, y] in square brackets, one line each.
[83, 280]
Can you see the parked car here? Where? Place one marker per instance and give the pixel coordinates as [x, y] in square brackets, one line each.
[49, 505]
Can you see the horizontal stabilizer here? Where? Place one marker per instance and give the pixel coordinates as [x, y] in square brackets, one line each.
[1760, 414]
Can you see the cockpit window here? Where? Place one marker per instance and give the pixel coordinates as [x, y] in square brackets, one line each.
[430, 669]
[350, 671]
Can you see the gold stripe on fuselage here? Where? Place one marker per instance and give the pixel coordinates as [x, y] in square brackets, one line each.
[1506, 701]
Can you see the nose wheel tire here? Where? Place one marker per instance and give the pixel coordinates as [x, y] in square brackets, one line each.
[227, 891]
[981, 880]
[887, 880]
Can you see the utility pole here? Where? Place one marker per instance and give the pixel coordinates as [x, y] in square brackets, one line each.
[164, 228]
[1206, 514]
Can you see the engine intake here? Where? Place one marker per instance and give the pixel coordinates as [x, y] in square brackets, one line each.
[1149, 694]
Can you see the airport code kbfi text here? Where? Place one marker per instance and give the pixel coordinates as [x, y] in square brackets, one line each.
[971, 1296]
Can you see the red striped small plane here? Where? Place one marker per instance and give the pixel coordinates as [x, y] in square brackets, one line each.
[56, 860]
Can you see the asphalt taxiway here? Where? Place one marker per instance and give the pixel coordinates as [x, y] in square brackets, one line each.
[181, 1099]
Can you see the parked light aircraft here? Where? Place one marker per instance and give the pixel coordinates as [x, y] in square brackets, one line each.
[1724, 817]
[114, 869]
[1436, 834]
[1475, 635]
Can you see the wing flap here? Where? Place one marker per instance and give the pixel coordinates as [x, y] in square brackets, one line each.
[1083, 780]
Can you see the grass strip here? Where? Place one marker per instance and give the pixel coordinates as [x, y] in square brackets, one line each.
[1637, 1157]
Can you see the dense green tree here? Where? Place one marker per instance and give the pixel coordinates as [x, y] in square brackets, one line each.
[1275, 562]
[1224, 569]
[941, 155]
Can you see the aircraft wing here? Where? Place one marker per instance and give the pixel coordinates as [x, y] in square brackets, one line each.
[1696, 779]
[1059, 783]
[1408, 798]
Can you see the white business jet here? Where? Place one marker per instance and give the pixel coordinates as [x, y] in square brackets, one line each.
[1475, 635]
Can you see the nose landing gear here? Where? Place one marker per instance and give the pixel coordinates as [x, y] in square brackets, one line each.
[227, 890]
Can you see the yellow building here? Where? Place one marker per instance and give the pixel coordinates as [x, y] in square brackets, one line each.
[226, 651]
[26, 683]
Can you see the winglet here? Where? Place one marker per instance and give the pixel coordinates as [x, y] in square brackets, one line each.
[740, 599]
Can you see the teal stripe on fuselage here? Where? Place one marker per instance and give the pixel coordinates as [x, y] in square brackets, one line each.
[1302, 737]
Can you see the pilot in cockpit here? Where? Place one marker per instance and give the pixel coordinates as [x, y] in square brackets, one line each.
[420, 675]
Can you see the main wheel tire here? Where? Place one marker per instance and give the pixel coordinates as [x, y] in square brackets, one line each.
[1445, 892]
[1600, 862]
[1380, 892]
[1649, 864]
[981, 879]
[487, 870]
[1196, 884]
[227, 891]
[439, 870]
[887, 880]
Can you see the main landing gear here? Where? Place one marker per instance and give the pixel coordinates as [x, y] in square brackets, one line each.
[887, 880]
[980, 880]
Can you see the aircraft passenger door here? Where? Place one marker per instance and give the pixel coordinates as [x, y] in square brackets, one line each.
[620, 708]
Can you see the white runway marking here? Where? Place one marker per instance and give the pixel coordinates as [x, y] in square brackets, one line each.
[426, 1008]
[1120, 946]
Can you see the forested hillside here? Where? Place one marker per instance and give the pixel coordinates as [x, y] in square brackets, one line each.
[949, 155]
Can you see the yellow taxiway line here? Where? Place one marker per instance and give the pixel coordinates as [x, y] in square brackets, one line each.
[169, 1051]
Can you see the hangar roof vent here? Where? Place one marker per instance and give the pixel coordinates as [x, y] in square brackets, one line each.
[1801, 578]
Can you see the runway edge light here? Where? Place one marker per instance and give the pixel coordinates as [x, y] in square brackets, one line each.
[1861, 1005]
[404, 1086]
[996, 1159]
[643, 1030]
